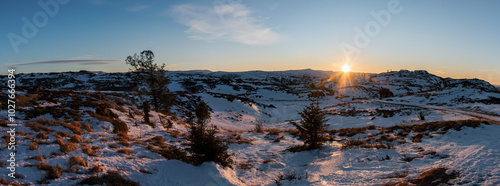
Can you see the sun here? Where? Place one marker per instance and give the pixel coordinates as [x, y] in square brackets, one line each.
[346, 68]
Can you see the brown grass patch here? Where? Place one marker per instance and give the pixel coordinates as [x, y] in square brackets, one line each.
[42, 135]
[33, 146]
[108, 179]
[87, 127]
[54, 172]
[37, 128]
[67, 147]
[62, 134]
[273, 131]
[124, 151]
[5, 182]
[38, 158]
[89, 151]
[245, 166]
[96, 169]
[75, 160]
[76, 139]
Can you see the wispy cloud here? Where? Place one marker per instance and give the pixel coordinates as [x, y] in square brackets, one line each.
[231, 22]
[80, 62]
[171, 65]
[137, 8]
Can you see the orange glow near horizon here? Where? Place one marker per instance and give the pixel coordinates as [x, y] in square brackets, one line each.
[346, 68]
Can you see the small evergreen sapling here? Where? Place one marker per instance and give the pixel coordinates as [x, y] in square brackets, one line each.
[312, 126]
[205, 145]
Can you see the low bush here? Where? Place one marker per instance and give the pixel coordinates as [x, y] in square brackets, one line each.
[76, 139]
[173, 152]
[62, 134]
[54, 172]
[290, 176]
[75, 160]
[110, 179]
[67, 147]
[124, 151]
[119, 126]
[95, 169]
[89, 151]
[42, 135]
[33, 146]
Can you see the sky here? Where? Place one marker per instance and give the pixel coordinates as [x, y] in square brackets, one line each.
[458, 39]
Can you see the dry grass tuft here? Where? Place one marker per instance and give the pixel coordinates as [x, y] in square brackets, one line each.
[42, 135]
[67, 147]
[87, 127]
[96, 169]
[273, 131]
[54, 172]
[38, 158]
[108, 179]
[33, 146]
[62, 134]
[76, 139]
[75, 160]
[124, 151]
[245, 166]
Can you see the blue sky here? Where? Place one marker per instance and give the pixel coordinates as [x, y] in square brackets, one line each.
[457, 39]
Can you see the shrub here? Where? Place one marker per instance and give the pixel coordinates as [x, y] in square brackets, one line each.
[42, 166]
[259, 126]
[290, 176]
[75, 160]
[74, 127]
[435, 176]
[62, 134]
[38, 158]
[125, 151]
[111, 179]
[42, 135]
[89, 151]
[3, 123]
[312, 126]
[205, 145]
[398, 174]
[421, 116]
[76, 139]
[173, 152]
[54, 172]
[33, 146]
[27, 101]
[245, 166]
[87, 127]
[67, 147]
[119, 126]
[95, 169]
[37, 127]
[273, 131]
[417, 138]
[384, 93]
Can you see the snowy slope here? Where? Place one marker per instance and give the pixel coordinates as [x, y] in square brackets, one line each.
[239, 100]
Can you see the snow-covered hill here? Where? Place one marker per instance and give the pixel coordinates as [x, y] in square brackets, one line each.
[377, 123]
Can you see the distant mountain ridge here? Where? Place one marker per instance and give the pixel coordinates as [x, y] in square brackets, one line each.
[355, 85]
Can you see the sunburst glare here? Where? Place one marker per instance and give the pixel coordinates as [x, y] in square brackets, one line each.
[346, 68]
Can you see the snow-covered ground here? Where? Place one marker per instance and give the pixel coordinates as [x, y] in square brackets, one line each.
[239, 101]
